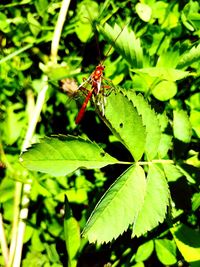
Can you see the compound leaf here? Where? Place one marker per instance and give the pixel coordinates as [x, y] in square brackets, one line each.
[118, 207]
[62, 155]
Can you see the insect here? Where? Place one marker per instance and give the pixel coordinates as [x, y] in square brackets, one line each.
[95, 81]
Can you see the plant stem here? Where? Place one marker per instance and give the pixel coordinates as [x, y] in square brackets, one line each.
[18, 233]
[3, 241]
[58, 30]
[24, 189]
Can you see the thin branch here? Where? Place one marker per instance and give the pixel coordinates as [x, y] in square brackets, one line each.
[58, 30]
[3, 242]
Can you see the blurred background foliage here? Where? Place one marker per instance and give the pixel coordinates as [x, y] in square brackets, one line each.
[169, 34]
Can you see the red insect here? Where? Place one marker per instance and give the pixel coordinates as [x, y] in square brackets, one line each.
[95, 80]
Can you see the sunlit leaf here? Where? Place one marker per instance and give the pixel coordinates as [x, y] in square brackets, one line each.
[165, 90]
[144, 11]
[187, 241]
[182, 126]
[87, 12]
[72, 236]
[64, 154]
[126, 44]
[172, 172]
[118, 207]
[155, 204]
[126, 123]
[153, 134]
[164, 73]
[189, 57]
[144, 251]
[166, 251]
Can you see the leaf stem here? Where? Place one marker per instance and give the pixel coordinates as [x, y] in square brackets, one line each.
[165, 161]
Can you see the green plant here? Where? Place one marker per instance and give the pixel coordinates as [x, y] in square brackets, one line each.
[142, 173]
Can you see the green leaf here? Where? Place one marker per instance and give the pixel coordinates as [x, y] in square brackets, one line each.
[127, 45]
[195, 121]
[182, 126]
[13, 123]
[34, 25]
[165, 144]
[188, 242]
[64, 154]
[72, 235]
[163, 73]
[144, 11]
[164, 90]
[195, 201]
[189, 57]
[58, 71]
[172, 172]
[118, 207]
[166, 251]
[124, 121]
[86, 12]
[155, 204]
[144, 251]
[149, 118]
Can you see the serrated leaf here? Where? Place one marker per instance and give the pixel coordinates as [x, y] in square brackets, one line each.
[126, 44]
[187, 241]
[149, 118]
[156, 199]
[118, 207]
[182, 126]
[169, 74]
[166, 251]
[126, 123]
[62, 155]
[189, 57]
[72, 235]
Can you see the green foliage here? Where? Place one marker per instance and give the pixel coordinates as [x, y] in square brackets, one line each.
[129, 128]
[155, 203]
[187, 241]
[126, 44]
[72, 235]
[166, 251]
[132, 173]
[60, 156]
[118, 206]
